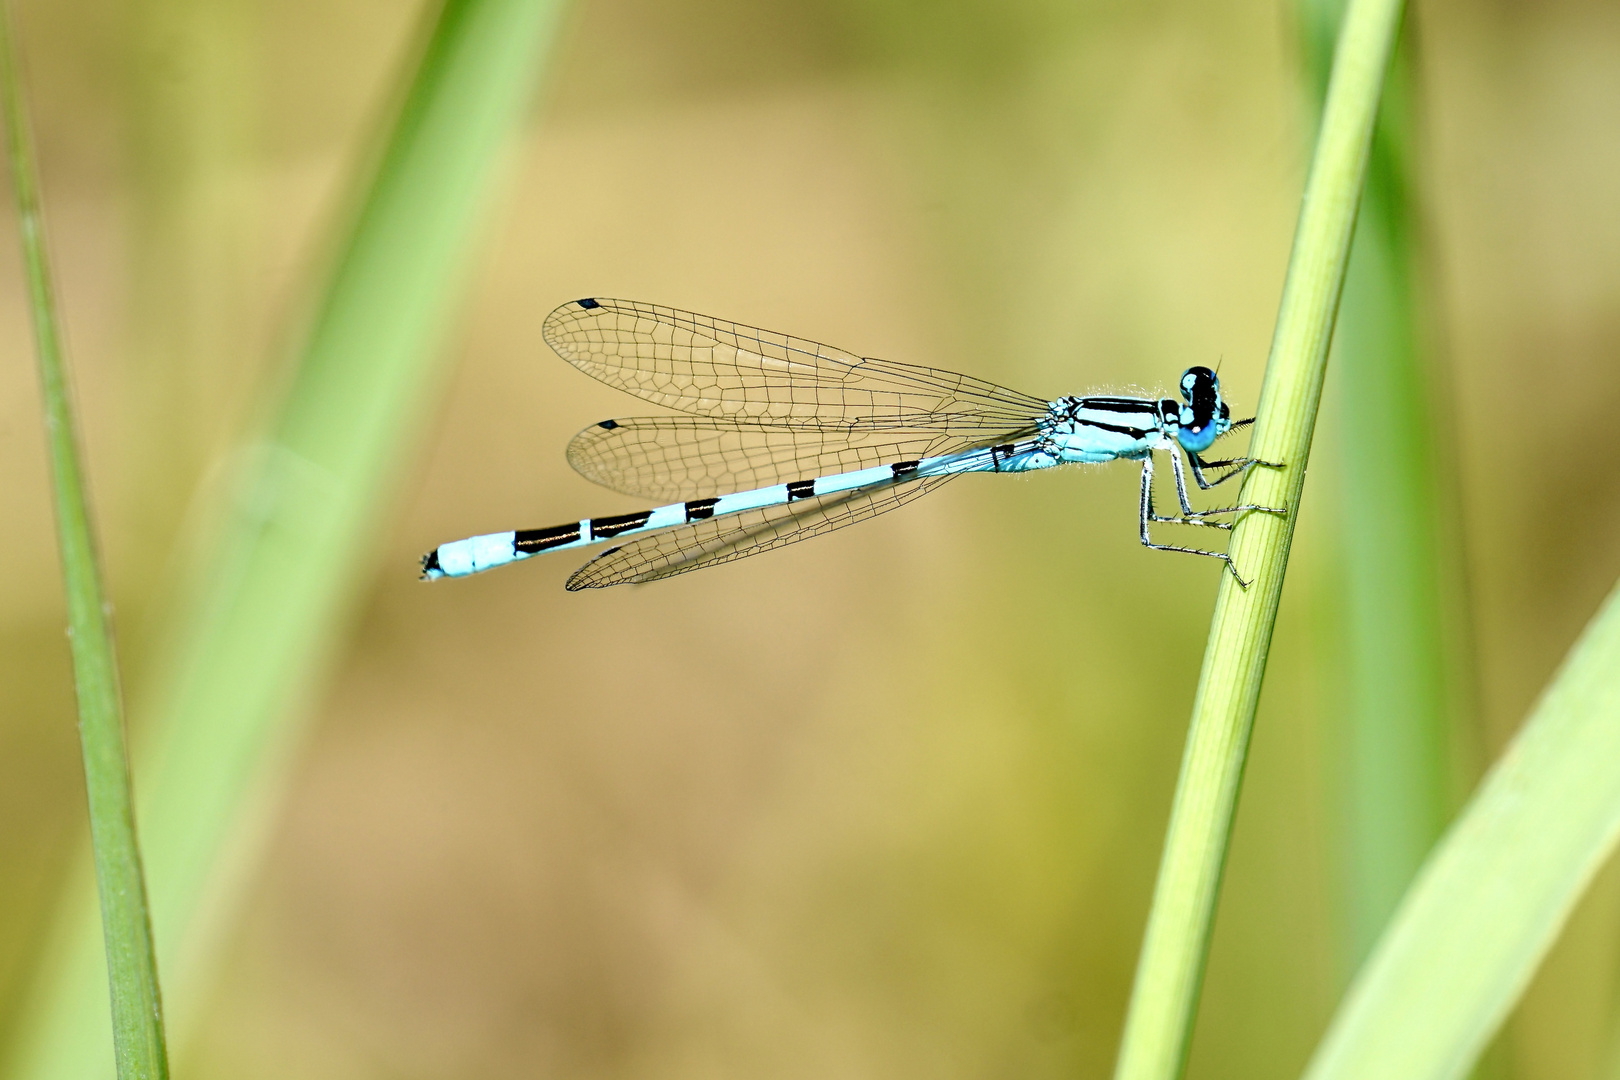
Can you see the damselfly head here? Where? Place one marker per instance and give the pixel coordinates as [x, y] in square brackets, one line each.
[1205, 417]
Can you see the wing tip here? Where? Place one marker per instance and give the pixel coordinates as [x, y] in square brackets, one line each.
[586, 578]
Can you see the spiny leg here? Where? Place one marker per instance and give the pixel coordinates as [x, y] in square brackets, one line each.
[1235, 466]
[1191, 517]
[1181, 482]
[1181, 492]
[1148, 517]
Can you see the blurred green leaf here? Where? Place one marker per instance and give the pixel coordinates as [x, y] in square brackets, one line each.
[272, 603]
[1396, 652]
[1491, 900]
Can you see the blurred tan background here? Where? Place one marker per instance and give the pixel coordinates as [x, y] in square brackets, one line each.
[884, 805]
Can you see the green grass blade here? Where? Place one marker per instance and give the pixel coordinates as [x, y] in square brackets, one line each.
[1491, 899]
[1170, 969]
[130, 968]
[274, 598]
[1396, 653]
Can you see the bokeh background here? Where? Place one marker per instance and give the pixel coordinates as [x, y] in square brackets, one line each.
[884, 805]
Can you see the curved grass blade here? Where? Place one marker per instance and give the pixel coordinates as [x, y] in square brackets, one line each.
[129, 971]
[264, 614]
[1170, 970]
[1492, 898]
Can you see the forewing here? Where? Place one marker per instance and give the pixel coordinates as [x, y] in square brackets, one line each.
[691, 457]
[718, 540]
[698, 364]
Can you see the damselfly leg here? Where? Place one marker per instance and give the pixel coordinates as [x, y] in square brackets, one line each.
[1234, 466]
[1243, 465]
[1191, 516]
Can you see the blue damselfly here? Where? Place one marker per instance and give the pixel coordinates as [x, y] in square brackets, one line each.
[786, 439]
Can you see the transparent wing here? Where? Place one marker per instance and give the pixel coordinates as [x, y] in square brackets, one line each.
[718, 540]
[693, 457]
[697, 364]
